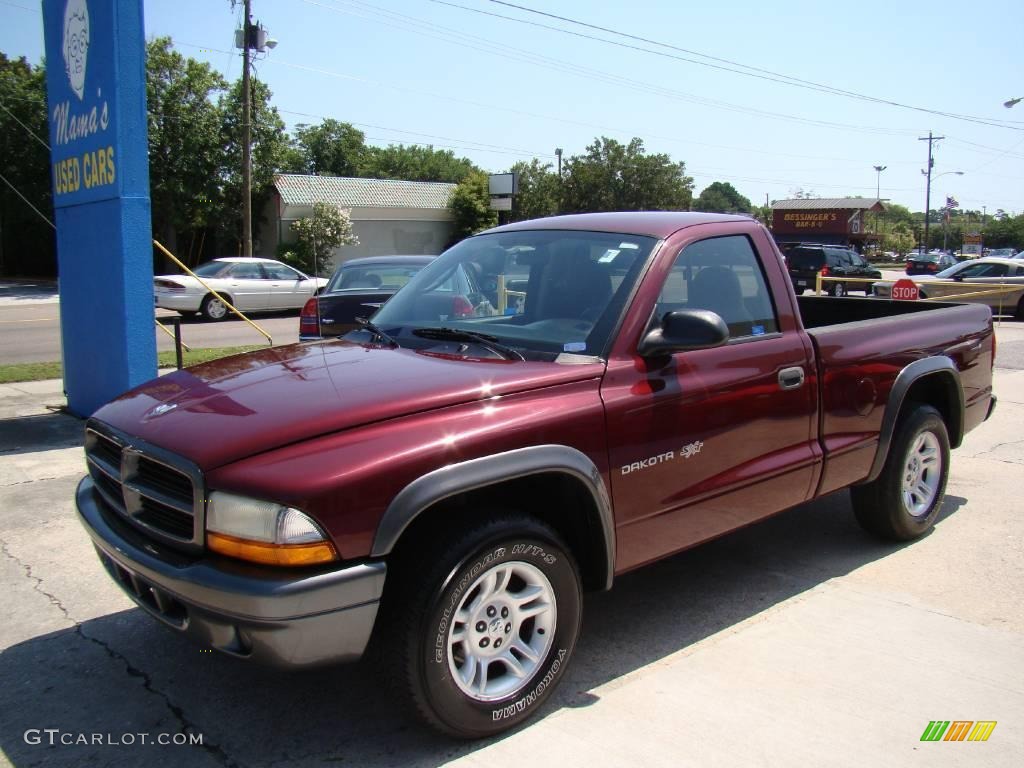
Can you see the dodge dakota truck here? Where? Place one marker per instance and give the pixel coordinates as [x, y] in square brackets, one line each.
[443, 483]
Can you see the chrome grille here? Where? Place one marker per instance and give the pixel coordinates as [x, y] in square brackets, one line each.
[156, 491]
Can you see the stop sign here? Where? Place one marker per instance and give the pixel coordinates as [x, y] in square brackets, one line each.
[905, 290]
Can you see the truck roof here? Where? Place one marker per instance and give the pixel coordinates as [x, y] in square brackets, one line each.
[658, 224]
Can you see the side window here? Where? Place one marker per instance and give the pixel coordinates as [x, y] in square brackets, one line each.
[722, 274]
[246, 272]
[281, 272]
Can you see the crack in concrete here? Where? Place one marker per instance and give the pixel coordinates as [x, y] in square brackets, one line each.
[185, 726]
[995, 448]
[27, 482]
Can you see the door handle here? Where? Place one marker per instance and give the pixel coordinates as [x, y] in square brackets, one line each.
[791, 378]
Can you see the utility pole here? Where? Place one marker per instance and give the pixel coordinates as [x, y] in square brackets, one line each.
[928, 188]
[246, 138]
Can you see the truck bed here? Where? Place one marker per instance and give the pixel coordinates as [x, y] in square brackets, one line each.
[861, 345]
[823, 311]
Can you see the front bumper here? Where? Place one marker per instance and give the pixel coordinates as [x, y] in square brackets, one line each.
[274, 616]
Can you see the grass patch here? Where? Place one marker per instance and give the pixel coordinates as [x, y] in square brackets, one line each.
[196, 356]
[10, 374]
[29, 372]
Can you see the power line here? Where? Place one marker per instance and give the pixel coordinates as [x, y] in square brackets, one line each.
[26, 200]
[481, 147]
[451, 36]
[536, 115]
[31, 132]
[762, 74]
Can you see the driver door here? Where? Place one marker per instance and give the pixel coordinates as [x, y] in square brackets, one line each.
[705, 441]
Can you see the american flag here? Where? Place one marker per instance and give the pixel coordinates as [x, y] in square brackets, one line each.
[951, 203]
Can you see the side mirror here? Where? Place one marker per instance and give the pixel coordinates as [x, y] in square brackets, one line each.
[683, 330]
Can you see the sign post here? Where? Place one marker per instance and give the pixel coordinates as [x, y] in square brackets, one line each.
[96, 98]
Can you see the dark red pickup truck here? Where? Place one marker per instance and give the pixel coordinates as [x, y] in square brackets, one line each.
[449, 482]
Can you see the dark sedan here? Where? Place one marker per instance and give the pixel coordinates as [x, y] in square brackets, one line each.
[357, 289]
[928, 263]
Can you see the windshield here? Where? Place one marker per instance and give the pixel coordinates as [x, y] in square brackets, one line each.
[539, 292]
[950, 271]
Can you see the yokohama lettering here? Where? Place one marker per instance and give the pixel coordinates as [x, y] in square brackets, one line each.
[518, 706]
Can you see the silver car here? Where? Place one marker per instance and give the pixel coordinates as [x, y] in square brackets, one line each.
[976, 275]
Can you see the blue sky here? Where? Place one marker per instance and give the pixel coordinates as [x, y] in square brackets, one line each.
[498, 90]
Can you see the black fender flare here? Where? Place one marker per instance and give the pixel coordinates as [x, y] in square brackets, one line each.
[470, 475]
[917, 370]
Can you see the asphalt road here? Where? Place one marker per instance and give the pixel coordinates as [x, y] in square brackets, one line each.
[796, 641]
[30, 332]
[30, 326]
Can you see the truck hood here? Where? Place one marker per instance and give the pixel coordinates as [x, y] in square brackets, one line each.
[238, 406]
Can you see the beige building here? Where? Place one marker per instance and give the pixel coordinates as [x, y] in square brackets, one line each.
[388, 216]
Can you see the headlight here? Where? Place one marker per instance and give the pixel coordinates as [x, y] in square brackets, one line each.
[264, 532]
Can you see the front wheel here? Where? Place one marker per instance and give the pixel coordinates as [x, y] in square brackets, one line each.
[1019, 314]
[485, 637]
[903, 502]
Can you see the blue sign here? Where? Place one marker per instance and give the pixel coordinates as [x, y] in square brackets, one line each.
[83, 61]
[96, 94]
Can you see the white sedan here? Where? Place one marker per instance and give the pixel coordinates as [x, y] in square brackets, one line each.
[252, 285]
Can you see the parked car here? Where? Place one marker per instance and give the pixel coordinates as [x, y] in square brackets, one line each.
[988, 271]
[807, 260]
[251, 284]
[1004, 253]
[928, 263]
[450, 485]
[356, 289]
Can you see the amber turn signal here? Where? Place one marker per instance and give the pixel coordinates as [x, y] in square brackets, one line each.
[271, 554]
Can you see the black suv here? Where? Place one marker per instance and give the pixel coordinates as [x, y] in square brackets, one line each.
[806, 260]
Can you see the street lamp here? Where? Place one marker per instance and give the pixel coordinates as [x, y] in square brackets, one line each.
[558, 154]
[878, 180]
[928, 198]
[1013, 102]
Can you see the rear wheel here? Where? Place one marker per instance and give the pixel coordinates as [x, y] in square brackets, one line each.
[838, 290]
[1019, 314]
[903, 502]
[483, 636]
[213, 308]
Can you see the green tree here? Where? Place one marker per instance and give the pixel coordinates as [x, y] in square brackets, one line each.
[415, 163]
[538, 191]
[270, 153]
[470, 206]
[612, 176]
[318, 235]
[27, 245]
[1004, 232]
[185, 154]
[721, 197]
[899, 239]
[332, 148]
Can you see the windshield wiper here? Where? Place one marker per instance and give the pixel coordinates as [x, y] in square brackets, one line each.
[483, 339]
[378, 332]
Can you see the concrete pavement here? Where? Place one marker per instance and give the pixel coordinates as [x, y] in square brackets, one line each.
[798, 641]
